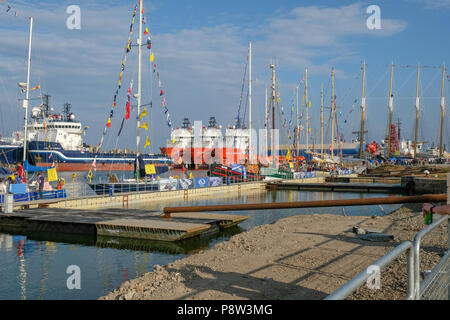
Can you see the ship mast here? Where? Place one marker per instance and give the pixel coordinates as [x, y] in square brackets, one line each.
[441, 150]
[27, 95]
[266, 110]
[138, 122]
[272, 66]
[139, 42]
[297, 132]
[363, 111]
[321, 121]
[332, 112]
[250, 99]
[417, 112]
[306, 103]
[391, 109]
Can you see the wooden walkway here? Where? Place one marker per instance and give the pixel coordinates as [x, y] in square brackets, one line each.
[338, 187]
[138, 224]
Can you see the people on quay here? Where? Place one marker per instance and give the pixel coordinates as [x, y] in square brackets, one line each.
[60, 184]
[41, 183]
[17, 178]
[21, 172]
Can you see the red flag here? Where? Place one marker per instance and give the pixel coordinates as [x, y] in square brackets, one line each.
[162, 92]
[127, 115]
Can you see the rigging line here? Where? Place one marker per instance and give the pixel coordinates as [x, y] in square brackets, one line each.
[341, 100]
[242, 91]
[377, 83]
[404, 83]
[245, 106]
[237, 125]
[438, 73]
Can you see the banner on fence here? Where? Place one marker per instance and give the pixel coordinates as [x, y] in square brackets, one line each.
[52, 175]
[215, 181]
[150, 169]
[239, 168]
[184, 184]
[168, 184]
[201, 182]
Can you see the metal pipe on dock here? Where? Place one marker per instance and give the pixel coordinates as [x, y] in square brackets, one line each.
[309, 204]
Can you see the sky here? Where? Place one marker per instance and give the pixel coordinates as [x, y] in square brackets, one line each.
[201, 48]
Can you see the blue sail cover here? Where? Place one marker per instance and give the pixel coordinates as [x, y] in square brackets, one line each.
[30, 168]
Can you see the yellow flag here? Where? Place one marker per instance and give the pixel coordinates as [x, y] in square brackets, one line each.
[152, 57]
[190, 175]
[143, 113]
[288, 155]
[150, 169]
[52, 175]
[144, 126]
[309, 103]
[147, 143]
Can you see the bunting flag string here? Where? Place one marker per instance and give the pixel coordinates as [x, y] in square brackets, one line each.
[161, 93]
[147, 142]
[119, 85]
[127, 108]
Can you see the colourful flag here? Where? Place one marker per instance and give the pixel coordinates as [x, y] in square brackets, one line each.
[37, 87]
[144, 126]
[127, 114]
[147, 143]
[146, 32]
[143, 113]
[108, 124]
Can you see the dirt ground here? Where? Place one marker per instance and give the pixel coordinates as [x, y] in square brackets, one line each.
[301, 257]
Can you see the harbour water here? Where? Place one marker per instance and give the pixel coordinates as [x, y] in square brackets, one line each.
[33, 266]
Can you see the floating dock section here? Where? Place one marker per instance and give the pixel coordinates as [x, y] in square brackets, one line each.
[136, 224]
[339, 187]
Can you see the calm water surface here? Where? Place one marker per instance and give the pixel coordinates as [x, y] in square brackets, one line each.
[33, 266]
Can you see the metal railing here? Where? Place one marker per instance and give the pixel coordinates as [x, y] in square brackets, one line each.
[436, 284]
[417, 241]
[351, 286]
